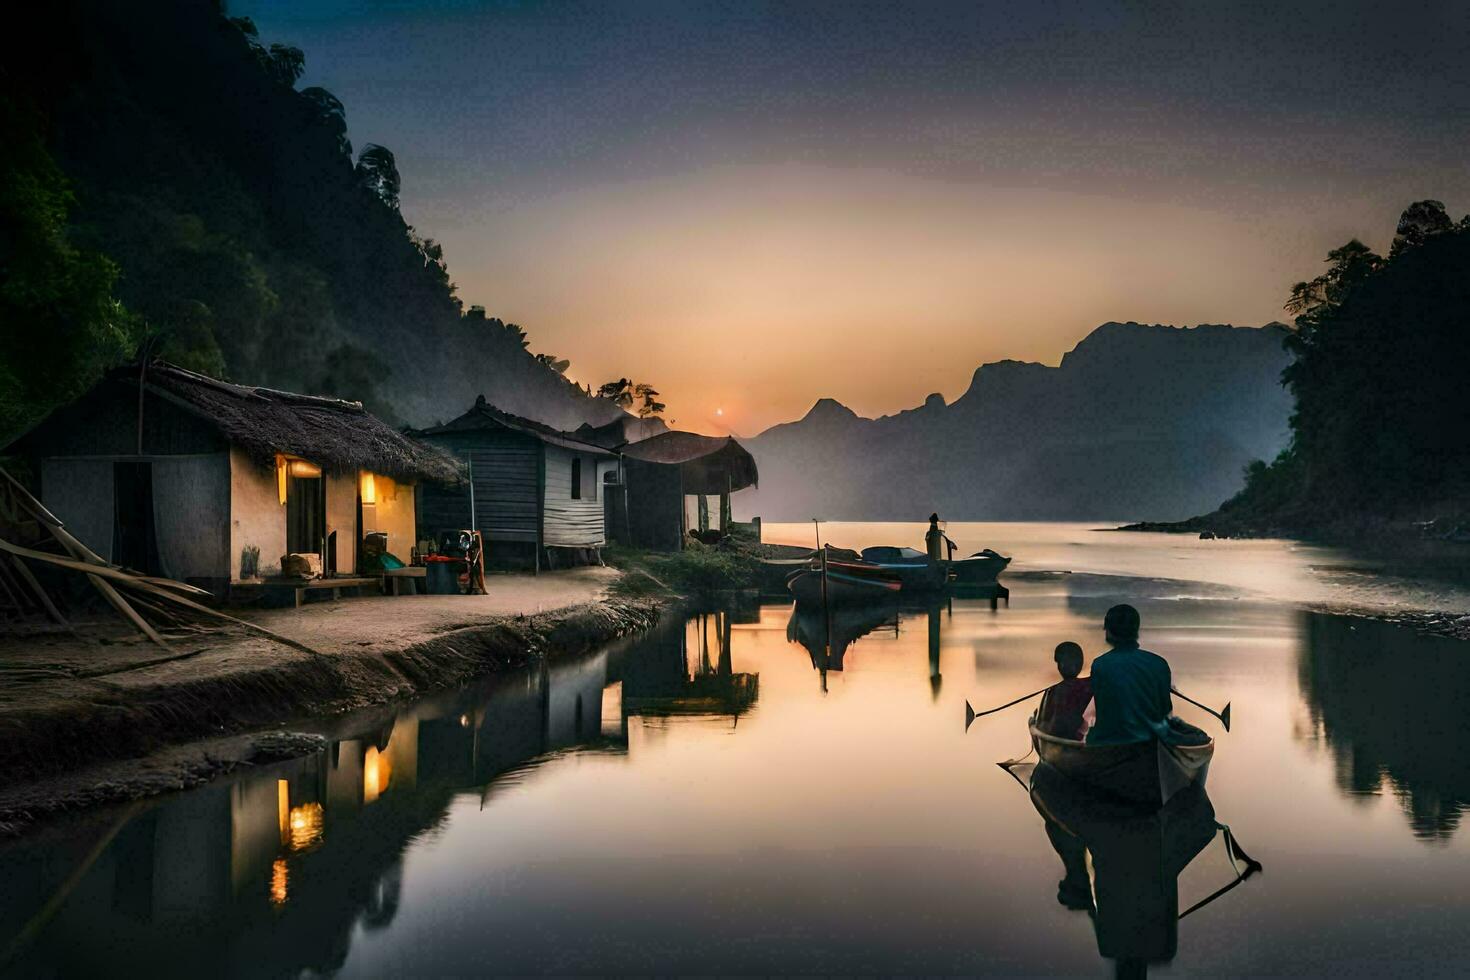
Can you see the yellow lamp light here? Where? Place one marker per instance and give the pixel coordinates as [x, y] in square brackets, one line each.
[369, 488]
[303, 470]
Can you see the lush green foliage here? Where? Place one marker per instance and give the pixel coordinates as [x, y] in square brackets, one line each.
[63, 295]
[237, 227]
[1381, 350]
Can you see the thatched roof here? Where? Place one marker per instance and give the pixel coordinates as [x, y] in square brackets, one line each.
[484, 415]
[709, 464]
[335, 434]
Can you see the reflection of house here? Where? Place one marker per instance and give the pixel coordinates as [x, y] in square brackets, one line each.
[532, 488]
[275, 873]
[212, 482]
[662, 472]
[686, 668]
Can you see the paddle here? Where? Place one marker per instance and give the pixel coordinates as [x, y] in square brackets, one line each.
[1224, 715]
[971, 714]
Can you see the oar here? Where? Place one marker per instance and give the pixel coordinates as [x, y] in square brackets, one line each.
[971, 714]
[1224, 715]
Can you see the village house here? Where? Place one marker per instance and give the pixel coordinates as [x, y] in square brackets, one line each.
[173, 473]
[534, 492]
[665, 483]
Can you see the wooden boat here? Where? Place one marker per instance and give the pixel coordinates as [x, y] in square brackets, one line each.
[1143, 773]
[842, 586]
[981, 568]
[914, 569]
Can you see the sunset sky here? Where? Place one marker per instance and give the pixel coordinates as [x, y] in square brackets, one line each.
[752, 205]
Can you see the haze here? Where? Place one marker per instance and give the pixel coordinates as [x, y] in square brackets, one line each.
[752, 205]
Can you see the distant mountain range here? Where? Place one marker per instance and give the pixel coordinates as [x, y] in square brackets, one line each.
[1137, 420]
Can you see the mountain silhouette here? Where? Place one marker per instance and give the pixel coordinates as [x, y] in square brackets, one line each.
[1136, 420]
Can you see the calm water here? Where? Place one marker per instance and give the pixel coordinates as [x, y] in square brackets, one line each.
[706, 799]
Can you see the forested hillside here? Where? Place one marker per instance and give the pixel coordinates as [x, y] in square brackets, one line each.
[164, 180]
[1381, 353]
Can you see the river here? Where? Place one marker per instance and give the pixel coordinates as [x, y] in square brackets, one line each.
[707, 799]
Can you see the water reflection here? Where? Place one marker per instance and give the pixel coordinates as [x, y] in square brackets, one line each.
[1392, 704]
[1122, 865]
[274, 872]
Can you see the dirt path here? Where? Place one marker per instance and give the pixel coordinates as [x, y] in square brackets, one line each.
[105, 717]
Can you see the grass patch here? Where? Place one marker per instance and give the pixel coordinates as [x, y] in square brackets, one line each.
[698, 571]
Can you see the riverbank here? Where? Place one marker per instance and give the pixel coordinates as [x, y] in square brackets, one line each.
[103, 717]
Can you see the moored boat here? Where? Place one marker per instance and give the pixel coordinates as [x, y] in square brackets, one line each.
[914, 569]
[981, 568]
[1142, 773]
[842, 586]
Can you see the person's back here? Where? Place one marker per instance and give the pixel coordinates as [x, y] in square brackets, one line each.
[1063, 704]
[1130, 687]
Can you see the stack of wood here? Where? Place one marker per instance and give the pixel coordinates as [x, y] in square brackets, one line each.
[29, 533]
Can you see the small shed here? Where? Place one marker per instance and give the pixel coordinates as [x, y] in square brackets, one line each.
[170, 472]
[533, 491]
[662, 472]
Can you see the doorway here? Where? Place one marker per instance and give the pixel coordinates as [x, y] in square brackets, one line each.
[134, 540]
[306, 515]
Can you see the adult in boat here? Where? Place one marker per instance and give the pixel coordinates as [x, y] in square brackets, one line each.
[1130, 688]
[936, 542]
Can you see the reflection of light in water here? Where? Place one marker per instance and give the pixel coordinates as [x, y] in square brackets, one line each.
[305, 826]
[376, 772]
[279, 877]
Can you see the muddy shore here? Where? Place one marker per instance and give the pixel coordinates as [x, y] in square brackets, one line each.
[104, 718]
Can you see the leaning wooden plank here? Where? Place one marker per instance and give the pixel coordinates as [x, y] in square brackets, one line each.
[45, 600]
[134, 582]
[121, 605]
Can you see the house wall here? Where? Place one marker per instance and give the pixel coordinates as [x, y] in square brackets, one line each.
[79, 492]
[568, 522]
[342, 518]
[505, 470]
[191, 516]
[393, 513]
[257, 516]
[655, 504]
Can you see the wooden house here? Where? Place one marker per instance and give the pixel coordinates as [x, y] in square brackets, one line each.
[663, 475]
[170, 472]
[534, 492]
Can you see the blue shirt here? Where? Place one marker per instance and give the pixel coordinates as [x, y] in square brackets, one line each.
[1130, 694]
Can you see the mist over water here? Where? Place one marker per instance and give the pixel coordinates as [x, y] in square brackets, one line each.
[705, 799]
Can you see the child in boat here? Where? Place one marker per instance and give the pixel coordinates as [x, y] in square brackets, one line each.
[1063, 703]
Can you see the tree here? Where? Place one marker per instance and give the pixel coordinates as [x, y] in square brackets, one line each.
[329, 113]
[1419, 222]
[377, 172]
[63, 326]
[627, 394]
[559, 365]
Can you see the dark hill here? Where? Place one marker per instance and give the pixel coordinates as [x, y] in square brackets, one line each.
[247, 235]
[1137, 419]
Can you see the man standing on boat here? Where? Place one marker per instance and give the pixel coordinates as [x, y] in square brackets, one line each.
[935, 541]
[1130, 687]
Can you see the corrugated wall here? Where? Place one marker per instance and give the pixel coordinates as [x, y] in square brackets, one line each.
[504, 467]
[569, 522]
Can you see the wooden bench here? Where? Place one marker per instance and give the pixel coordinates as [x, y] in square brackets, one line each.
[302, 586]
[396, 578]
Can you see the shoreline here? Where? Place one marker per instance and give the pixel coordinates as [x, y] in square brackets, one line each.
[133, 725]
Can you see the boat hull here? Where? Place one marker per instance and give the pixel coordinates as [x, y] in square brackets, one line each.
[1146, 774]
[978, 569]
[806, 587]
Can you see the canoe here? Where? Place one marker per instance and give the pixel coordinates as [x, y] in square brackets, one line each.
[1143, 773]
[806, 587]
[914, 569]
[981, 568]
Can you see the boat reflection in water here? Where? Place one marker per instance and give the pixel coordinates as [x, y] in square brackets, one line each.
[1122, 863]
[275, 873]
[810, 628]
